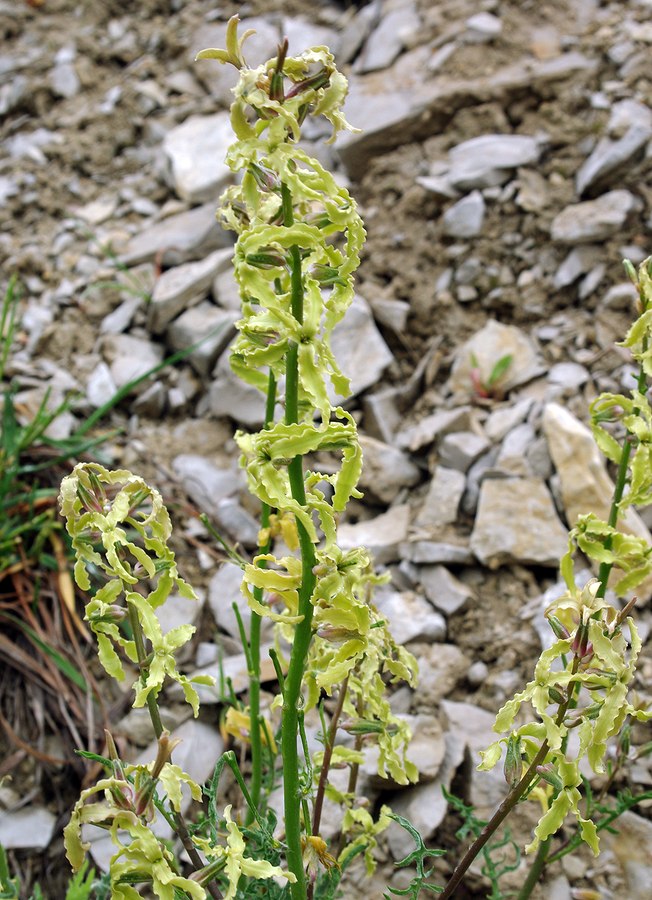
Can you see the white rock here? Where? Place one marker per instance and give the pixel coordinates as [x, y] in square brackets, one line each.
[441, 668]
[579, 261]
[178, 610]
[460, 449]
[436, 552]
[228, 395]
[465, 218]
[29, 827]
[386, 469]
[203, 481]
[628, 848]
[183, 286]
[129, 357]
[512, 456]
[208, 327]
[120, 319]
[482, 28]
[630, 127]
[594, 220]
[569, 375]
[505, 418]
[517, 522]
[357, 330]
[446, 592]
[196, 151]
[488, 346]
[410, 617]
[381, 535]
[387, 40]
[64, 80]
[489, 160]
[100, 387]
[179, 238]
[431, 427]
[442, 501]
[391, 313]
[223, 591]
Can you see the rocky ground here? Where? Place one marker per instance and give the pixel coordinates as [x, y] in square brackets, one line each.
[503, 172]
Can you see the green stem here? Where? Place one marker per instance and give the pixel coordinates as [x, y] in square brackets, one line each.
[254, 639]
[621, 481]
[538, 864]
[303, 631]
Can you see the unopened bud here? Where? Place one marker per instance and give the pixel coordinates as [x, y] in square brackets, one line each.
[266, 260]
[313, 82]
[112, 613]
[327, 275]
[625, 740]
[368, 726]
[164, 753]
[581, 643]
[513, 765]
[558, 628]
[550, 775]
[631, 272]
[265, 178]
[555, 695]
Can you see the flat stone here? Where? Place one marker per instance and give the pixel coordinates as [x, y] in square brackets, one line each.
[512, 456]
[441, 669]
[627, 846]
[482, 28]
[100, 387]
[487, 347]
[459, 449]
[421, 107]
[98, 211]
[183, 286]
[208, 327]
[466, 217]
[441, 504]
[178, 610]
[204, 482]
[64, 80]
[594, 220]
[410, 617]
[151, 402]
[28, 827]
[303, 33]
[357, 330]
[382, 535]
[579, 261]
[570, 375]
[517, 522]
[490, 159]
[229, 396]
[436, 552]
[396, 27]
[391, 313]
[195, 151]
[177, 239]
[505, 418]
[434, 426]
[446, 592]
[129, 357]
[630, 127]
[122, 316]
[386, 469]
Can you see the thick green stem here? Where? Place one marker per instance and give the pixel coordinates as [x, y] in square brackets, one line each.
[538, 864]
[254, 640]
[303, 631]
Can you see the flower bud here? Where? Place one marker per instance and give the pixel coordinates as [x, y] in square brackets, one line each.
[550, 775]
[327, 275]
[555, 695]
[581, 643]
[513, 765]
[558, 628]
[266, 260]
[631, 272]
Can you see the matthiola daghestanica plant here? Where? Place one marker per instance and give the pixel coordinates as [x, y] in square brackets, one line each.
[299, 239]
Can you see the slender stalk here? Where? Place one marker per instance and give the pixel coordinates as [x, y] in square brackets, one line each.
[328, 753]
[621, 481]
[303, 630]
[538, 864]
[155, 715]
[254, 639]
[507, 805]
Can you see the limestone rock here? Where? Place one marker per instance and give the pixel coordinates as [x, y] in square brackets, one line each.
[388, 39]
[634, 834]
[465, 218]
[441, 668]
[488, 160]
[28, 827]
[208, 327]
[195, 151]
[594, 220]
[434, 426]
[482, 28]
[386, 469]
[129, 357]
[446, 592]
[459, 449]
[223, 591]
[629, 130]
[410, 617]
[183, 286]
[431, 552]
[179, 238]
[382, 534]
[203, 481]
[357, 330]
[488, 346]
[516, 522]
[442, 501]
